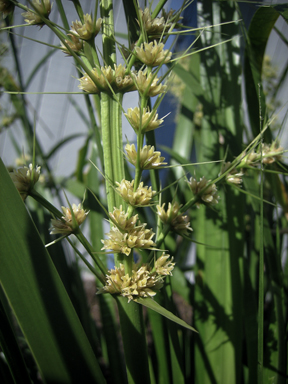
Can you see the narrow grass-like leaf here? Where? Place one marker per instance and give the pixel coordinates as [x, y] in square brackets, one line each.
[38, 298]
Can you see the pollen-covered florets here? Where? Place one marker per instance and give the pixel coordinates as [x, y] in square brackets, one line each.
[65, 226]
[148, 84]
[153, 54]
[25, 178]
[120, 219]
[209, 196]
[88, 29]
[149, 158]
[124, 242]
[143, 283]
[141, 197]
[107, 78]
[145, 121]
[164, 265]
[153, 27]
[75, 44]
[233, 177]
[41, 7]
[172, 216]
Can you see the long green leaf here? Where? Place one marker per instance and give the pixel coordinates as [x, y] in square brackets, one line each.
[38, 298]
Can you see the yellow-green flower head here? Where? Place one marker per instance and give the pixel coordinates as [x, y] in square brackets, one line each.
[25, 178]
[107, 78]
[141, 197]
[270, 153]
[142, 283]
[209, 195]
[148, 85]
[88, 29]
[40, 7]
[163, 266]
[6, 7]
[65, 225]
[120, 242]
[120, 219]
[153, 27]
[172, 216]
[149, 158]
[152, 54]
[74, 43]
[233, 177]
[143, 121]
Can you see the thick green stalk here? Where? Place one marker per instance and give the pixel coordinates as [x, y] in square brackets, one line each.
[131, 316]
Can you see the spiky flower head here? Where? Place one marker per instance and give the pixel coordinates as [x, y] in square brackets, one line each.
[123, 242]
[74, 43]
[148, 85]
[143, 283]
[152, 54]
[172, 216]
[149, 158]
[208, 195]
[106, 79]
[153, 27]
[140, 197]
[163, 265]
[121, 220]
[144, 121]
[270, 153]
[88, 29]
[234, 176]
[40, 7]
[6, 7]
[65, 225]
[25, 178]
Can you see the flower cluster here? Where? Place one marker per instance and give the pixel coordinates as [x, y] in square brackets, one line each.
[140, 197]
[268, 153]
[172, 216]
[234, 176]
[154, 28]
[74, 43]
[88, 30]
[41, 8]
[208, 193]
[25, 178]
[107, 79]
[149, 158]
[126, 234]
[148, 85]
[144, 120]
[65, 226]
[144, 281]
[152, 54]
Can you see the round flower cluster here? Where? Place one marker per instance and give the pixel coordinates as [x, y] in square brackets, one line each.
[41, 8]
[172, 216]
[140, 197]
[25, 178]
[208, 194]
[149, 158]
[65, 226]
[152, 54]
[126, 234]
[144, 120]
[144, 281]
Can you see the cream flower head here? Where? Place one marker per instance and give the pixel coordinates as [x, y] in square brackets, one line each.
[141, 197]
[145, 121]
[41, 7]
[25, 178]
[148, 84]
[149, 158]
[74, 43]
[87, 30]
[64, 226]
[172, 216]
[152, 54]
[209, 196]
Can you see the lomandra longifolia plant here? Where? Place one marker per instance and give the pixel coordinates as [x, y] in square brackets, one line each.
[138, 335]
